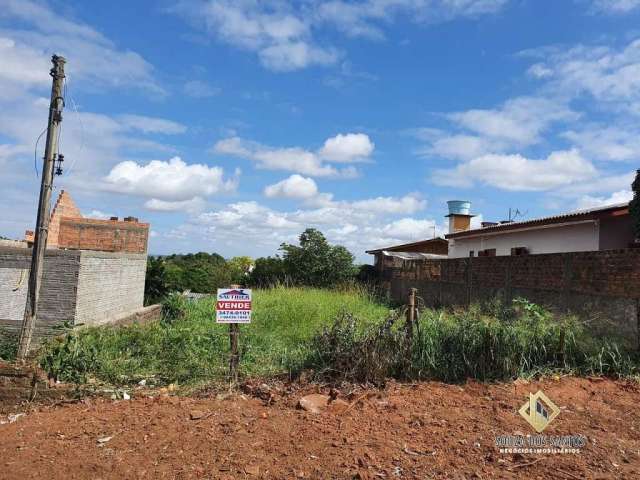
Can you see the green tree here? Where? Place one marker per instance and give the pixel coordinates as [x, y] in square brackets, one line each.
[315, 262]
[268, 272]
[239, 269]
[634, 205]
[155, 286]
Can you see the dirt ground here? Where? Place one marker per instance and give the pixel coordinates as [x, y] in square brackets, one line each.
[427, 430]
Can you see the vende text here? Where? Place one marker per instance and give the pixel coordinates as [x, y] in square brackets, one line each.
[234, 305]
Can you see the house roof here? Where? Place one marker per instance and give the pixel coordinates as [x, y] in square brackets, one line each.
[575, 216]
[399, 248]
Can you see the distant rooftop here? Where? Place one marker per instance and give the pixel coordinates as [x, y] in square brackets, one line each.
[575, 216]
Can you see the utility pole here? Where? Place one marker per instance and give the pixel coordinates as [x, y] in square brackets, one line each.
[42, 223]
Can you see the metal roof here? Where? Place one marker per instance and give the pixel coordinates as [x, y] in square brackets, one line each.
[412, 255]
[398, 248]
[577, 215]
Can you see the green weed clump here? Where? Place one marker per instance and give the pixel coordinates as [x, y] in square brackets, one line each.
[523, 340]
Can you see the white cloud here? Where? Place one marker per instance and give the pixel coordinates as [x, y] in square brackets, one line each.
[610, 75]
[351, 147]
[151, 124]
[519, 121]
[281, 38]
[408, 204]
[296, 186]
[367, 18]
[288, 56]
[412, 229]
[603, 184]
[100, 215]
[92, 58]
[517, 173]
[292, 159]
[456, 146]
[283, 32]
[200, 89]
[192, 205]
[607, 142]
[587, 201]
[615, 6]
[171, 181]
[359, 224]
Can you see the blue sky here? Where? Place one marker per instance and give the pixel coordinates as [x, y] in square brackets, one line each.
[231, 126]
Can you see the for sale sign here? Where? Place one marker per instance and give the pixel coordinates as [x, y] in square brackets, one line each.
[233, 306]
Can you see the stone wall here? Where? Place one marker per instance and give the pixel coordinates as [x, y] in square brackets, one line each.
[77, 287]
[603, 288]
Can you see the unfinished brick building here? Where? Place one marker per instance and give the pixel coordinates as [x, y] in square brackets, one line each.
[68, 229]
[94, 272]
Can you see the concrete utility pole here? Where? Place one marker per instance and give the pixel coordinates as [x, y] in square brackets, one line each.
[42, 223]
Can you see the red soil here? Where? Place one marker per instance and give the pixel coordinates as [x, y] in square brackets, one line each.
[428, 430]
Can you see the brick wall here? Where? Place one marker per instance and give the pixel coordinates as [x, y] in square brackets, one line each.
[603, 287]
[64, 207]
[103, 235]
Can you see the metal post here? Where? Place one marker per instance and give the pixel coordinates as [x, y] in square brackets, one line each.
[42, 222]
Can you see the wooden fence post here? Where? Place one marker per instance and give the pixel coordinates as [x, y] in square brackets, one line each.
[234, 358]
[411, 313]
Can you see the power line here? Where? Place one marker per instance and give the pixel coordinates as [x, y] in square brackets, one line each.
[82, 134]
[35, 152]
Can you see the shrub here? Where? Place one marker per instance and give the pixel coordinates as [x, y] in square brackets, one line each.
[174, 308]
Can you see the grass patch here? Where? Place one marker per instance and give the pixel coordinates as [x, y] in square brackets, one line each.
[189, 347]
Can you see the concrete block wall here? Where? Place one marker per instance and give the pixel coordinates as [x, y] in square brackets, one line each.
[602, 288]
[110, 285]
[77, 287]
[57, 300]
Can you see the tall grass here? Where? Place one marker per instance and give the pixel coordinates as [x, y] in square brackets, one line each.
[468, 343]
[339, 335]
[189, 347]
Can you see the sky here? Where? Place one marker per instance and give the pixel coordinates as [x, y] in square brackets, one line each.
[232, 125]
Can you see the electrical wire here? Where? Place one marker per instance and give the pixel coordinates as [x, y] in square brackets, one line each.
[35, 153]
[82, 134]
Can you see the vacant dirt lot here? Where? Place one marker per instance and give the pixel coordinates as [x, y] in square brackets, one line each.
[429, 430]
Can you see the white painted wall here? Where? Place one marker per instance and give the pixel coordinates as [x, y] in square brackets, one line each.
[576, 237]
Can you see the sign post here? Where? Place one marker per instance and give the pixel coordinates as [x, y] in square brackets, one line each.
[233, 307]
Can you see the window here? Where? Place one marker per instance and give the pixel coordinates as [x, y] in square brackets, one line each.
[520, 251]
[487, 252]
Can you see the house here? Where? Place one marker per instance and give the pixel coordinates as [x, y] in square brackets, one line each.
[431, 248]
[602, 228]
